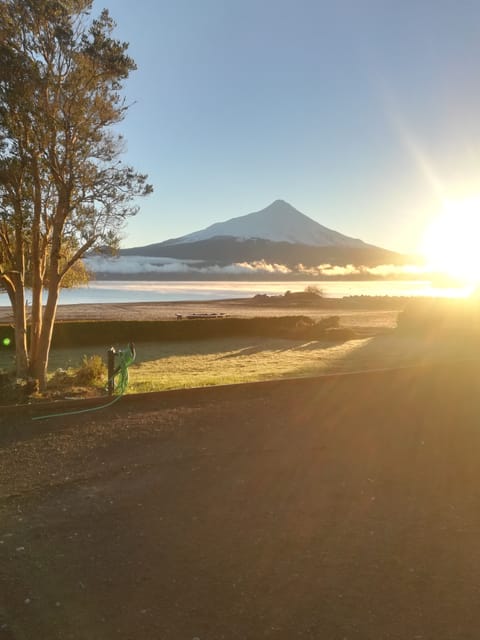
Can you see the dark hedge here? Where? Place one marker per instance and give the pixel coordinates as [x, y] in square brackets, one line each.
[72, 334]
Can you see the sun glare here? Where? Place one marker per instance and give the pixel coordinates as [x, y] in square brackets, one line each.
[451, 242]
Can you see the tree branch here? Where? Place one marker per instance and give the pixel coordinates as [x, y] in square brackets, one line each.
[78, 255]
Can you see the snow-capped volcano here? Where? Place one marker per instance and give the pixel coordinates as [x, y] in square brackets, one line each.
[276, 235]
[279, 222]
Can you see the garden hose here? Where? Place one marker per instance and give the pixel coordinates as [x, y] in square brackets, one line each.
[125, 359]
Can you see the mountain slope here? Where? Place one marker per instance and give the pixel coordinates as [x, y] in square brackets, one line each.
[222, 251]
[279, 222]
[278, 234]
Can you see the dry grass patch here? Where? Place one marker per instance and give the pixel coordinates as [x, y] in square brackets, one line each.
[232, 361]
[173, 365]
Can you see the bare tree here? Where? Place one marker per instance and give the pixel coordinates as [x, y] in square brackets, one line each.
[63, 188]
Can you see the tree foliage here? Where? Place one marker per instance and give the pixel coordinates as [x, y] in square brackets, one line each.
[63, 187]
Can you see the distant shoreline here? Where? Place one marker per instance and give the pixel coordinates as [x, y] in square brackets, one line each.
[354, 311]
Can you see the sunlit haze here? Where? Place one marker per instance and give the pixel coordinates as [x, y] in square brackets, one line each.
[362, 114]
[451, 241]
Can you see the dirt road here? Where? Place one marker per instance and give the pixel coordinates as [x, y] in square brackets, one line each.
[342, 508]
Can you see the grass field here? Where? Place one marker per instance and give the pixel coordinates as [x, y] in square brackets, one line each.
[194, 363]
[243, 360]
[232, 360]
[219, 361]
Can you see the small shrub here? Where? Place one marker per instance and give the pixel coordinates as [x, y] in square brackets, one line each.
[13, 391]
[60, 379]
[314, 290]
[318, 330]
[91, 371]
[330, 322]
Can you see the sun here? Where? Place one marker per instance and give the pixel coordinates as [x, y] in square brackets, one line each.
[451, 244]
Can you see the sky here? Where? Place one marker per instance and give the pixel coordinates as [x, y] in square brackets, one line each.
[362, 114]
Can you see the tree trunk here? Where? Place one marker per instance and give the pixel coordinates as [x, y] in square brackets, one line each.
[35, 320]
[20, 329]
[36, 266]
[40, 364]
[18, 281]
[15, 293]
[35, 312]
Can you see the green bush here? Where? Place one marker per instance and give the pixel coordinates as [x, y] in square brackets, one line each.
[60, 378]
[325, 329]
[329, 322]
[91, 371]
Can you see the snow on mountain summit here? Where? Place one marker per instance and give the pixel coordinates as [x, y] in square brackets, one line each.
[279, 222]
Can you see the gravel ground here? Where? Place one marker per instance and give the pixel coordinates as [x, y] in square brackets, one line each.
[346, 507]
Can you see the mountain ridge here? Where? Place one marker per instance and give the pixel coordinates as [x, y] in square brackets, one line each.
[278, 222]
[278, 235]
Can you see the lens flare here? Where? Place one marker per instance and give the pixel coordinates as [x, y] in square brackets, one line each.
[450, 243]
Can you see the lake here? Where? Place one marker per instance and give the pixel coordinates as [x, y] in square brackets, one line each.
[165, 291]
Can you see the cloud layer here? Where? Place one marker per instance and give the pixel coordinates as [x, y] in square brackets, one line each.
[138, 265]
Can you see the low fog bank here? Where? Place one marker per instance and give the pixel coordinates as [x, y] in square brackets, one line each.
[141, 267]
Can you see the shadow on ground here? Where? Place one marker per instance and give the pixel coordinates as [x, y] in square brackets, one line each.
[342, 507]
